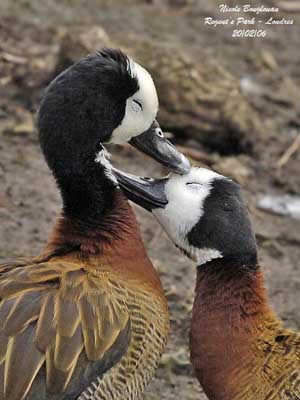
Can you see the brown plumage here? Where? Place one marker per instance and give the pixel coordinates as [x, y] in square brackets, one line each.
[239, 348]
[86, 316]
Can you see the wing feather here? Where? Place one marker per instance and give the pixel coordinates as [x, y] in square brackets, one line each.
[57, 380]
[11, 288]
[3, 345]
[6, 307]
[67, 316]
[90, 328]
[26, 309]
[60, 315]
[22, 363]
[68, 349]
[38, 273]
[45, 330]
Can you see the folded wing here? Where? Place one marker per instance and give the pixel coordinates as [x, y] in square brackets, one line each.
[60, 317]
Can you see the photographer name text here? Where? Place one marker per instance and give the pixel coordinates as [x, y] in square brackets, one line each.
[257, 24]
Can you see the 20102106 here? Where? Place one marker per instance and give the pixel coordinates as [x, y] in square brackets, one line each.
[249, 33]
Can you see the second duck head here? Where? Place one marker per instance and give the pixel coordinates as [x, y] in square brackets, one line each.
[202, 212]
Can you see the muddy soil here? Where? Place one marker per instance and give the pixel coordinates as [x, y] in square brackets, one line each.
[29, 202]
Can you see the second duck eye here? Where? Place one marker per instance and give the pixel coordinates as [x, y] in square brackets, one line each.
[137, 105]
[159, 133]
[194, 185]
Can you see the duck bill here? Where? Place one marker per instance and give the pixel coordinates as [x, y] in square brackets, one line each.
[153, 143]
[145, 192]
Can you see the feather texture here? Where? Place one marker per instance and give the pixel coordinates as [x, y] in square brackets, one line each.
[63, 318]
[22, 362]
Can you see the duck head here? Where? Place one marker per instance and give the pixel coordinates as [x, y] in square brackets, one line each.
[104, 98]
[202, 212]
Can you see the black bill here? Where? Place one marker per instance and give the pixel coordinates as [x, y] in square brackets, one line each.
[153, 143]
[146, 192]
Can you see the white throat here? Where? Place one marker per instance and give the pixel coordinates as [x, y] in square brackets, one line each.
[203, 256]
[103, 158]
[200, 256]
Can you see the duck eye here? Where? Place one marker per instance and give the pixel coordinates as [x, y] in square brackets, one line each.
[145, 178]
[137, 106]
[159, 132]
[194, 185]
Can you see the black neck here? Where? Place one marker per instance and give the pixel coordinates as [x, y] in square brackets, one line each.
[95, 214]
[88, 195]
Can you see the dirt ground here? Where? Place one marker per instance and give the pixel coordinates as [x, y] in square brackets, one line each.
[30, 34]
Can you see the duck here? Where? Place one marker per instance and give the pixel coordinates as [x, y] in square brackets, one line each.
[87, 318]
[240, 349]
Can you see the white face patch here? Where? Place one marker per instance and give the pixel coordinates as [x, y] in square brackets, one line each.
[103, 158]
[186, 195]
[141, 108]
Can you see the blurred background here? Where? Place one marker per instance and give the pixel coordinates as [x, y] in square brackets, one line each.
[232, 104]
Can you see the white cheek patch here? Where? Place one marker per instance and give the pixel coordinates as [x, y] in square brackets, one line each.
[184, 210]
[103, 158]
[136, 120]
